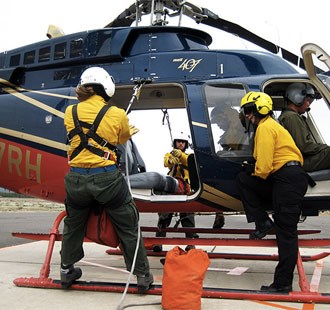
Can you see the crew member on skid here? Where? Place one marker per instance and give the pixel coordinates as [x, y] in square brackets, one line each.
[94, 129]
[276, 177]
[177, 162]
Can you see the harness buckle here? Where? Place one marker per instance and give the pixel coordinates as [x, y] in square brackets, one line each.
[106, 155]
[68, 138]
[104, 142]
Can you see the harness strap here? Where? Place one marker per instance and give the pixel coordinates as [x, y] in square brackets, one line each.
[92, 131]
[174, 170]
[90, 134]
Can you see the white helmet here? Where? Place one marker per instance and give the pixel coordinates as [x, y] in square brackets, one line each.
[180, 135]
[297, 92]
[97, 75]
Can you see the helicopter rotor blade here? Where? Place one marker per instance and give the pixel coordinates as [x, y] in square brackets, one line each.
[124, 19]
[204, 16]
[215, 21]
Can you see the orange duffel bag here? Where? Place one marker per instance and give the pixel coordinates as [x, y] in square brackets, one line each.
[100, 228]
[183, 277]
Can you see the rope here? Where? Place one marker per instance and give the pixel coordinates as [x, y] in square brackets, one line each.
[122, 299]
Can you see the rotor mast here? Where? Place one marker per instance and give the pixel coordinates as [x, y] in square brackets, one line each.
[157, 9]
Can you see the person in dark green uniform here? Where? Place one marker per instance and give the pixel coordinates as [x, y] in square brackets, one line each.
[94, 129]
[299, 97]
[277, 178]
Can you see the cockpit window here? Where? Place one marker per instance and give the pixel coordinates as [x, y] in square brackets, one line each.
[76, 48]
[44, 54]
[29, 57]
[229, 136]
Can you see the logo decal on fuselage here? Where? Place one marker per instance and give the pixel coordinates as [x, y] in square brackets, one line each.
[188, 64]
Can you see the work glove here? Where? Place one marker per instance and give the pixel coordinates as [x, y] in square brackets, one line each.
[133, 130]
[248, 167]
[173, 160]
[177, 153]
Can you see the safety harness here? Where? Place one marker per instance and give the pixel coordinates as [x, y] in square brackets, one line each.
[92, 128]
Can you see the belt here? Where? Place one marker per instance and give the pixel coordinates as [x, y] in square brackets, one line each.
[93, 170]
[292, 163]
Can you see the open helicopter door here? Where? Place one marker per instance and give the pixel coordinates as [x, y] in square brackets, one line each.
[312, 55]
[317, 66]
[160, 109]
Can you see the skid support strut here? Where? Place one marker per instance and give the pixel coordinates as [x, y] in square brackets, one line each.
[305, 295]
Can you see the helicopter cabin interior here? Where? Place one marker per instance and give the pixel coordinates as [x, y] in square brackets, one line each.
[165, 111]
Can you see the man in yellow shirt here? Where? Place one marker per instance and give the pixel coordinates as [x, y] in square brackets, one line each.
[94, 129]
[277, 178]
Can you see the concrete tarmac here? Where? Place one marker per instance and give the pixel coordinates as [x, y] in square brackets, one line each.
[26, 260]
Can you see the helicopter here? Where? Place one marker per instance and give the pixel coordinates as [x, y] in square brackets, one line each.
[184, 77]
[162, 73]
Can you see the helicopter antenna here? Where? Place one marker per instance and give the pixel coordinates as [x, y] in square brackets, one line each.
[137, 17]
[152, 12]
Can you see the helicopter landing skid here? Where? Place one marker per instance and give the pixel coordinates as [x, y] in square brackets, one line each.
[215, 255]
[304, 295]
[208, 292]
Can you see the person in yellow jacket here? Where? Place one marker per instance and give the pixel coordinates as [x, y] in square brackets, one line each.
[177, 162]
[276, 178]
[94, 129]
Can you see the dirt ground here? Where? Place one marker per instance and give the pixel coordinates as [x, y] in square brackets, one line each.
[35, 204]
[28, 204]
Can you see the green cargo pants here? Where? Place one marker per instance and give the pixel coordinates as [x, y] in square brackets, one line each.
[110, 190]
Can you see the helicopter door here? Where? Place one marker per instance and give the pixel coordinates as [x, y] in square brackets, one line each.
[316, 60]
[230, 138]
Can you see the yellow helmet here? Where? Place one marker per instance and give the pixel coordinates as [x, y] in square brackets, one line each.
[257, 102]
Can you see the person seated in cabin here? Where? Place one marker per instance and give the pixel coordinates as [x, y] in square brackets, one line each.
[299, 97]
[177, 162]
[134, 170]
[234, 136]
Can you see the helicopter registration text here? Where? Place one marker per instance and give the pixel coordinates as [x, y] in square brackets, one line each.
[20, 162]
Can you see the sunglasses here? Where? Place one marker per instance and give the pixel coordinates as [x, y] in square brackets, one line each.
[249, 108]
[310, 98]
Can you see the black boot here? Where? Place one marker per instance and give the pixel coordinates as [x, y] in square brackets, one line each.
[69, 274]
[262, 229]
[274, 288]
[159, 247]
[144, 282]
[219, 221]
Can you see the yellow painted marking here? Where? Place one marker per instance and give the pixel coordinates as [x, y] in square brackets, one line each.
[28, 137]
[5, 82]
[199, 124]
[34, 102]
[221, 198]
